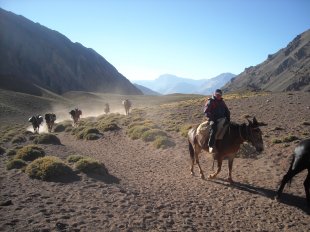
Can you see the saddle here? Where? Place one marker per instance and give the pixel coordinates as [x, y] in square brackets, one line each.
[203, 131]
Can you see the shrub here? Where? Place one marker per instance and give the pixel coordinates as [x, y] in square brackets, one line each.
[276, 141]
[137, 131]
[109, 127]
[85, 133]
[152, 134]
[47, 139]
[11, 152]
[184, 129]
[19, 139]
[92, 136]
[162, 142]
[90, 166]
[2, 150]
[30, 153]
[48, 168]
[64, 126]
[15, 164]
[289, 138]
[75, 158]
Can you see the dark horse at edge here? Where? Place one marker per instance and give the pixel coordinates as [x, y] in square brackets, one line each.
[300, 162]
[227, 147]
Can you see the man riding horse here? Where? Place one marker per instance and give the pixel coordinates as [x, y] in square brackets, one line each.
[215, 109]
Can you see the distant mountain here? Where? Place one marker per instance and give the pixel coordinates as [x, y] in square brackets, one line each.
[169, 84]
[286, 70]
[39, 56]
[147, 91]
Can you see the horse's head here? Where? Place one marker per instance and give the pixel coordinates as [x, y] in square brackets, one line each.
[255, 135]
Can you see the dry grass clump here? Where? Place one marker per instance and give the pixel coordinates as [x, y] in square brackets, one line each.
[15, 164]
[89, 133]
[11, 152]
[47, 139]
[2, 150]
[90, 166]
[63, 126]
[136, 132]
[75, 158]
[48, 168]
[152, 134]
[286, 139]
[184, 129]
[30, 153]
[19, 139]
[163, 142]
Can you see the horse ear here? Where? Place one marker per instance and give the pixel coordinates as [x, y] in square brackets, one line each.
[255, 121]
[250, 123]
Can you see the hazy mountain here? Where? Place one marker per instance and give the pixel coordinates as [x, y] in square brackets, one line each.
[288, 69]
[147, 91]
[37, 55]
[168, 84]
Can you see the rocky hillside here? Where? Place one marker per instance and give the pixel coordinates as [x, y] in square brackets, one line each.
[33, 53]
[286, 70]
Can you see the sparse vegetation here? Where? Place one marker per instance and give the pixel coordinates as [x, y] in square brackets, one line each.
[11, 152]
[19, 139]
[163, 142]
[15, 164]
[290, 138]
[30, 153]
[90, 166]
[47, 139]
[88, 133]
[287, 139]
[75, 158]
[64, 126]
[2, 150]
[48, 168]
[152, 134]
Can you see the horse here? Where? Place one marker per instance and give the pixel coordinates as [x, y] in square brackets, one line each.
[75, 115]
[300, 162]
[127, 106]
[106, 108]
[50, 120]
[234, 136]
[36, 122]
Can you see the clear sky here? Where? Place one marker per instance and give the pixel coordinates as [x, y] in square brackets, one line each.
[189, 38]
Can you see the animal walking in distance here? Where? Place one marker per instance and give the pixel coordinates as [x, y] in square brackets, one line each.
[227, 147]
[300, 162]
[50, 119]
[75, 115]
[36, 121]
[106, 108]
[127, 105]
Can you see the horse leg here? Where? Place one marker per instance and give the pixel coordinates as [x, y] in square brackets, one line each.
[192, 155]
[219, 166]
[289, 175]
[230, 165]
[307, 187]
[197, 150]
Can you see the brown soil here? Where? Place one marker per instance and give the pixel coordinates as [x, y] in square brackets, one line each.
[151, 189]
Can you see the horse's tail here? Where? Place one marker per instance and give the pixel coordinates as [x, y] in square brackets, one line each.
[191, 150]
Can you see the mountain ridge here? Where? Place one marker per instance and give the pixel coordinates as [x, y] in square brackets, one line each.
[169, 84]
[286, 70]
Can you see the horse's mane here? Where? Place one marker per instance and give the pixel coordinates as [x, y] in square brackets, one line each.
[234, 124]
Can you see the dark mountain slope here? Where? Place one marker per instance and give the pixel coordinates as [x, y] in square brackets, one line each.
[48, 59]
